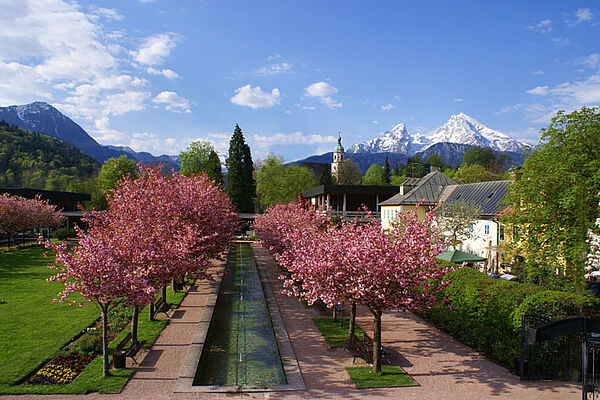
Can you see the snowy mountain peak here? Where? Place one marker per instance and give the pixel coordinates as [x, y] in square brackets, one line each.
[396, 140]
[464, 129]
[460, 128]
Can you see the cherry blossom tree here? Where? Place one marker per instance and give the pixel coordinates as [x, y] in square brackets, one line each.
[99, 268]
[175, 225]
[361, 262]
[19, 214]
[156, 229]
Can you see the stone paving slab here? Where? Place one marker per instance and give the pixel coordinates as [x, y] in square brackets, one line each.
[444, 368]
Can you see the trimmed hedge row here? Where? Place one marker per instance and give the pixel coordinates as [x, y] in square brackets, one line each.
[485, 313]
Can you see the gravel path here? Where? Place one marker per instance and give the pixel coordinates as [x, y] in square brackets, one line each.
[444, 368]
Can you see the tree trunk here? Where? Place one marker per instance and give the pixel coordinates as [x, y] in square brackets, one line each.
[105, 363]
[377, 342]
[164, 293]
[173, 288]
[134, 323]
[352, 322]
[151, 310]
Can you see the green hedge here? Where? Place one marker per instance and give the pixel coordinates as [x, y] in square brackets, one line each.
[485, 313]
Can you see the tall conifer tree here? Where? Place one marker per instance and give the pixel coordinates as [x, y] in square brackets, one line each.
[240, 183]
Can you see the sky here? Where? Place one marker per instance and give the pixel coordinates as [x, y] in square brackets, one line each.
[156, 75]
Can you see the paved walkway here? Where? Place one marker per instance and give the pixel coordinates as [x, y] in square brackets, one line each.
[444, 368]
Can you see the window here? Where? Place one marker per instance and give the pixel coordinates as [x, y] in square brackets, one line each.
[487, 229]
[501, 236]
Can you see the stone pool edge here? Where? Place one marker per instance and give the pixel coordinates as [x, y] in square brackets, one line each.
[184, 383]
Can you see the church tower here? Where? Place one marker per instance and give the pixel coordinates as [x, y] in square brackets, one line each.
[338, 157]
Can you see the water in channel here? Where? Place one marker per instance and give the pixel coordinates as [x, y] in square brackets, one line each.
[240, 347]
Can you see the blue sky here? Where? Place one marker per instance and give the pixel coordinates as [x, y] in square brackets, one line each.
[156, 74]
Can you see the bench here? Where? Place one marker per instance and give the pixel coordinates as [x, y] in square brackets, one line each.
[360, 348]
[385, 353]
[123, 351]
[161, 307]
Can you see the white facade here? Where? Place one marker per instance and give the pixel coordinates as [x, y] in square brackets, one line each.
[389, 213]
[482, 239]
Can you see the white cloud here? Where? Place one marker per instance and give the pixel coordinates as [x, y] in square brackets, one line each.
[566, 96]
[248, 96]
[388, 107]
[155, 49]
[538, 91]
[544, 26]
[276, 68]
[323, 91]
[173, 102]
[592, 61]
[167, 73]
[108, 13]
[561, 41]
[291, 138]
[538, 72]
[320, 89]
[375, 122]
[61, 52]
[583, 14]
[458, 99]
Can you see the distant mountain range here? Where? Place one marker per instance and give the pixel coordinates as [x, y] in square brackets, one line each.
[450, 141]
[43, 118]
[460, 129]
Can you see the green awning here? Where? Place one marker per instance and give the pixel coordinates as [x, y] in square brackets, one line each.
[459, 257]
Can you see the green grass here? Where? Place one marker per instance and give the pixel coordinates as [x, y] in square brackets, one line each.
[34, 329]
[333, 333]
[391, 376]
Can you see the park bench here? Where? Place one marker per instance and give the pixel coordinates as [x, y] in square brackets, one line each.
[360, 349]
[385, 353]
[123, 351]
[161, 307]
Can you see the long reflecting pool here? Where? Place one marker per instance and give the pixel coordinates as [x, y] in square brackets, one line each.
[240, 347]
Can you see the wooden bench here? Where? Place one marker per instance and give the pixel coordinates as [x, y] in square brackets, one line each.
[360, 348]
[123, 350]
[161, 307]
[385, 353]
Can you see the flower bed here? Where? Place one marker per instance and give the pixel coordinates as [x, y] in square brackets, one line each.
[61, 370]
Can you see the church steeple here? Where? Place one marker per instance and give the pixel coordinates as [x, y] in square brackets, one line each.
[338, 156]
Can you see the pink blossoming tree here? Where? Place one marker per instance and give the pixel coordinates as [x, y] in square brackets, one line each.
[156, 229]
[19, 214]
[361, 262]
[99, 269]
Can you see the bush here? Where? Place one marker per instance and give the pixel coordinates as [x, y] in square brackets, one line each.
[89, 343]
[64, 233]
[485, 313]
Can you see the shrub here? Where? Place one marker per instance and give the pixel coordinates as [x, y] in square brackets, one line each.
[485, 313]
[89, 343]
[64, 234]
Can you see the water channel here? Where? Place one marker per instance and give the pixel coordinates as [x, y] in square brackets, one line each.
[240, 347]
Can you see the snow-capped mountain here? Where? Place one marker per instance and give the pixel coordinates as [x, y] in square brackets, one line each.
[460, 129]
[43, 118]
[464, 129]
[396, 140]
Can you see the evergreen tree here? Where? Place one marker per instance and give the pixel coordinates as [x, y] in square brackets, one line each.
[240, 183]
[326, 178]
[213, 168]
[386, 171]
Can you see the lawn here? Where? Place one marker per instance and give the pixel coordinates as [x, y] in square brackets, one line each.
[333, 333]
[34, 329]
[391, 376]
